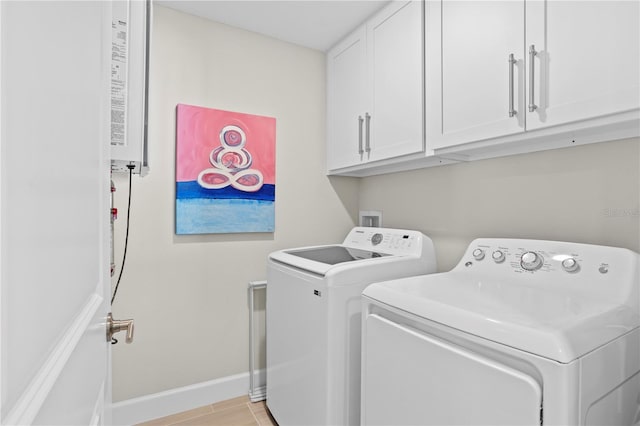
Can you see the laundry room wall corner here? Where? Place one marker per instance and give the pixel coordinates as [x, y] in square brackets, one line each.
[188, 294]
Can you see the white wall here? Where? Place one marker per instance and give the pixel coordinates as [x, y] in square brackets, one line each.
[188, 294]
[588, 194]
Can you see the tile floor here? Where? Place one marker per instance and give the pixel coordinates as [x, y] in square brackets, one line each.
[236, 411]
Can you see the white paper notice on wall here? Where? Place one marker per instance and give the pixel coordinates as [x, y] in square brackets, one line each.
[130, 44]
[119, 69]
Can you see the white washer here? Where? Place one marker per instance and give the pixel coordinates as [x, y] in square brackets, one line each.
[314, 320]
[520, 332]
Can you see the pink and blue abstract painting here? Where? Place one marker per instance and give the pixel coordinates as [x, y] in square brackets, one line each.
[225, 171]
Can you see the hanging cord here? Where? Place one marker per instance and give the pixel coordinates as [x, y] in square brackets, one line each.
[126, 238]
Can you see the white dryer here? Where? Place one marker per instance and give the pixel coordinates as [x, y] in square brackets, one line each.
[520, 332]
[314, 320]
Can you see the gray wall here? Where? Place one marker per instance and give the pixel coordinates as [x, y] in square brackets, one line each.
[587, 194]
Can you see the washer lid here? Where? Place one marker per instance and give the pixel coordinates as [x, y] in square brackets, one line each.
[320, 259]
[551, 323]
[334, 254]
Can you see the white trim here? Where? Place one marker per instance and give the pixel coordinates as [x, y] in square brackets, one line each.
[97, 418]
[31, 401]
[161, 404]
[2, 280]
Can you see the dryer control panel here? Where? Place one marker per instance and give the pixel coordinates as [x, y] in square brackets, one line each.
[588, 268]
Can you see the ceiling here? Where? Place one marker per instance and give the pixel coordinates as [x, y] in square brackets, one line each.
[317, 24]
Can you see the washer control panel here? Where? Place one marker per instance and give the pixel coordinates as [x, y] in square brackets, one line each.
[386, 240]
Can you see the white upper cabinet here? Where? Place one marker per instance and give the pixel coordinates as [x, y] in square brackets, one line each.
[395, 58]
[347, 100]
[508, 68]
[375, 89]
[586, 62]
[468, 84]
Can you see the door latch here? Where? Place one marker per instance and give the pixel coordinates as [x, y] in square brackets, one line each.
[115, 326]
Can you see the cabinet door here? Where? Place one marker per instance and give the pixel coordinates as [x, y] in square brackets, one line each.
[395, 46]
[587, 62]
[468, 84]
[346, 80]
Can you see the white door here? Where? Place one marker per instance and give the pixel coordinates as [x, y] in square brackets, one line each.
[395, 69]
[54, 204]
[587, 63]
[347, 101]
[467, 70]
[412, 378]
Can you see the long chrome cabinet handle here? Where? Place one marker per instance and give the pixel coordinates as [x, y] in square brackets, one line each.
[512, 63]
[532, 55]
[360, 120]
[367, 145]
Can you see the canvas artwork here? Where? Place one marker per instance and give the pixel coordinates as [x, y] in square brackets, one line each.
[225, 171]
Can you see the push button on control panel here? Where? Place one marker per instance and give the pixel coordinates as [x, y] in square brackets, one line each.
[570, 264]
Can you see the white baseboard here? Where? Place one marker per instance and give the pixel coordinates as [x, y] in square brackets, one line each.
[149, 407]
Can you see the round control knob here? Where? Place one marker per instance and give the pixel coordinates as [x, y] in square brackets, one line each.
[531, 261]
[570, 264]
[498, 256]
[376, 239]
[478, 254]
